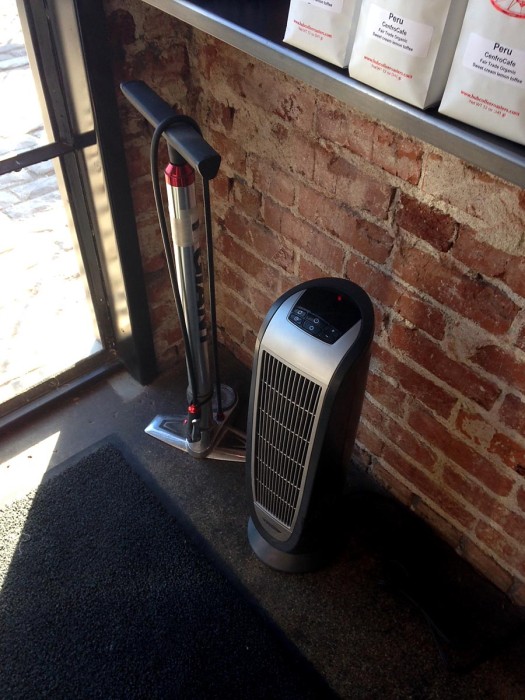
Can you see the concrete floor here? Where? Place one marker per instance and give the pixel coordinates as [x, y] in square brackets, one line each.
[367, 639]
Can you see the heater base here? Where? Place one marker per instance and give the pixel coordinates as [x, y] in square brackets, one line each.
[284, 561]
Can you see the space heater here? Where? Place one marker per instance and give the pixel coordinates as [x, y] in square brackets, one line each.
[309, 376]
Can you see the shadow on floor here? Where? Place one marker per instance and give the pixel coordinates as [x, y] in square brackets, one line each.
[397, 615]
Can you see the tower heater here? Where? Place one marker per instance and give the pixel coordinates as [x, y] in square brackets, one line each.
[309, 376]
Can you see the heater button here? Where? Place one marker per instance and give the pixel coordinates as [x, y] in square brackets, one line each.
[314, 325]
[310, 327]
[296, 318]
[330, 334]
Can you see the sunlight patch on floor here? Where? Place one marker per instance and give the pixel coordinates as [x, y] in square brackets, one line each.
[24, 472]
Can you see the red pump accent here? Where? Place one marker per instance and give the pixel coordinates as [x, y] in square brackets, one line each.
[179, 175]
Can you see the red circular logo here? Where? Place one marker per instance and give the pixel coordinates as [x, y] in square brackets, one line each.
[513, 8]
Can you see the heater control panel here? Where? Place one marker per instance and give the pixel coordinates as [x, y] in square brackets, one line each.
[324, 313]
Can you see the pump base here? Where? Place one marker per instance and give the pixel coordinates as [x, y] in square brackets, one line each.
[221, 442]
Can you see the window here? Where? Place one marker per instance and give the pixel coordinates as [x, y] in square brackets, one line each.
[73, 147]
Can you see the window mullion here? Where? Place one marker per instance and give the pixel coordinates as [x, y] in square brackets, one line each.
[42, 153]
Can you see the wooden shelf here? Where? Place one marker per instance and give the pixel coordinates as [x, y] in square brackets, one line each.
[257, 27]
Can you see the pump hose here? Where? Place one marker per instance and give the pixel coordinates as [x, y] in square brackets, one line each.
[211, 288]
[154, 159]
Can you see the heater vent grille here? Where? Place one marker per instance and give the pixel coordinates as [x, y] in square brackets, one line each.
[285, 416]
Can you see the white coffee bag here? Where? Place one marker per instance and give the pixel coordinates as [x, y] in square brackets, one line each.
[405, 48]
[486, 85]
[323, 28]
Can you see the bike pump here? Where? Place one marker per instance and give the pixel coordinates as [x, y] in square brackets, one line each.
[203, 431]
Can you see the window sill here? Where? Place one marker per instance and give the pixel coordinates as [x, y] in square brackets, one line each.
[250, 28]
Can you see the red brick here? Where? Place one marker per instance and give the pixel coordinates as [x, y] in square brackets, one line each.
[328, 252]
[220, 114]
[262, 242]
[520, 343]
[271, 181]
[397, 154]
[323, 212]
[512, 413]
[273, 213]
[513, 524]
[381, 287]
[272, 91]
[262, 300]
[121, 29]
[429, 355]
[370, 439]
[392, 483]
[220, 188]
[248, 200]
[208, 58]
[337, 123]
[426, 223]
[401, 437]
[472, 298]
[428, 488]
[420, 388]
[459, 452]
[508, 450]
[351, 185]
[480, 194]
[391, 397]
[489, 261]
[234, 327]
[521, 498]
[500, 363]
[511, 553]
[471, 492]
[237, 281]
[240, 307]
[289, 149]
[363, 236]
[475, 427]
[370, 240]
[308, 270]
[233, 156]
[250, 264]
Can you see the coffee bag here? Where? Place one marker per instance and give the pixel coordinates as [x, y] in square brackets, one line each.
[323, 28]
[405, 48]
[486, 85]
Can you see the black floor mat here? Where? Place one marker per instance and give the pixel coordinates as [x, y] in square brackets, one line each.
[105, 596]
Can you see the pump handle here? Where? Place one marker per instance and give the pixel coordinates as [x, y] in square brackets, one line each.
[185, 138]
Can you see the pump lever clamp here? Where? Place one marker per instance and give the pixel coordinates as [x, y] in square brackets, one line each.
[184, 137]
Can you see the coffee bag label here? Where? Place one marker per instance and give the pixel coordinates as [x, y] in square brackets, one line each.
[405, 48]
[398, 32]
[495, 60]
[329, 5]
[486, 84]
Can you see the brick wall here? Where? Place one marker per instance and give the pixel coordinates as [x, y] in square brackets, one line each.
[309, 188]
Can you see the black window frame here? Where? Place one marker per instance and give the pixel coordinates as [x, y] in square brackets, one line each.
[117, 286]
